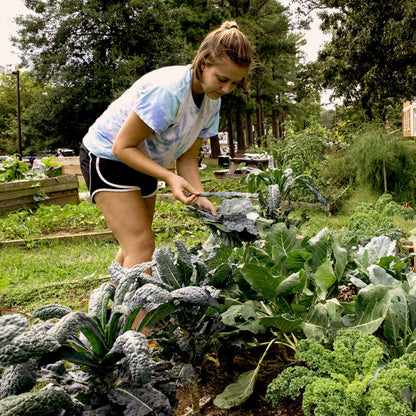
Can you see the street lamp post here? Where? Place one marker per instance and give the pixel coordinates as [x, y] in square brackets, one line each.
[19, 130]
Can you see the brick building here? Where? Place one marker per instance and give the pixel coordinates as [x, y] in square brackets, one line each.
[409, 119]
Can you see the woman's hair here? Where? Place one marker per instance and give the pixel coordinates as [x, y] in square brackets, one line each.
[226, 41]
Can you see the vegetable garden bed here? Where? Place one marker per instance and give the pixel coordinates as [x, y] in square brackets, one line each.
[59, 190]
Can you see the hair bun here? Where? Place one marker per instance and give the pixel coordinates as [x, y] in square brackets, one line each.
[229, 25]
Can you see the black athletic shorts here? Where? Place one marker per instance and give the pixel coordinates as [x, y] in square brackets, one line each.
[108, 175]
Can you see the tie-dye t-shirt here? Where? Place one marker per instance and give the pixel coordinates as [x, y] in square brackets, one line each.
[163, 100]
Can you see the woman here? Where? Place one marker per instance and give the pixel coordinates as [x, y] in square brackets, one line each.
[162, 118]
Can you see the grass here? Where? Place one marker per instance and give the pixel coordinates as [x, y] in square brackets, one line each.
[50, 272]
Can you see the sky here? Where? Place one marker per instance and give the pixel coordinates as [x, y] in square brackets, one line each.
[9, 9]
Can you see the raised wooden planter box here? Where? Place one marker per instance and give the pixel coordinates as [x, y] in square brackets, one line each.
[70, 165]
[60, 190]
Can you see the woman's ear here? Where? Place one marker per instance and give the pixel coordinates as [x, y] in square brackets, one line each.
[202, 64]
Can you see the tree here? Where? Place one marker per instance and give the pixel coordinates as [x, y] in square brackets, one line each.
[91, 51]
[371, 57]
[31, 92]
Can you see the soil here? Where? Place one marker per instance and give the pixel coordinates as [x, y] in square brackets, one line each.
[216, 376]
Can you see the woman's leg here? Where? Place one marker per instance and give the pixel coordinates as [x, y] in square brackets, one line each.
[129, 216]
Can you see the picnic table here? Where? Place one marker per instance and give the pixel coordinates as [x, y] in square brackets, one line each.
[235, 162]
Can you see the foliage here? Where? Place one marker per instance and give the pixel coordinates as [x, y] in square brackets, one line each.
[234, 223]
[180, 290]
[347, 379]
[287, 277]
[110, 367]
[385, 301]
[13, 169]
[31, 92]
[368, 61]
[379, 154]
[308, 151]
[96, 47]
[375, 220]
[293, 287]
[104, 377]
[281, 184]
[306, 148]
[237, 393]
[28, 224]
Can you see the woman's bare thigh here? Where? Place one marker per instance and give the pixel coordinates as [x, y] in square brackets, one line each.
[129, 217]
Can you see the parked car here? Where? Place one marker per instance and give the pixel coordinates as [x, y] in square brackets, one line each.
[64, 152]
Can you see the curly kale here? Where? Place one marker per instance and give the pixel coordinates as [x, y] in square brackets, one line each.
[291, 383]
[335, 380]
[392, 392]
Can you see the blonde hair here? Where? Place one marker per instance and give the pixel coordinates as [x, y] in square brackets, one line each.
[226, 41]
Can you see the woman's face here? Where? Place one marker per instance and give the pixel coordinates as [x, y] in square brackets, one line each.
[219, 79]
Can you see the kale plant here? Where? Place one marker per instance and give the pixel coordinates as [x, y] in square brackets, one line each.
[181, 298]
[111, 368]
[348, 380]
[376, 220]
[281, 185]
[235, 221]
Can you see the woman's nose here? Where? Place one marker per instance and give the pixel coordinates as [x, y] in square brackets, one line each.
[227, 88]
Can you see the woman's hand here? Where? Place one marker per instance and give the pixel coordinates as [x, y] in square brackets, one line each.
[183, 191]
[205, 203]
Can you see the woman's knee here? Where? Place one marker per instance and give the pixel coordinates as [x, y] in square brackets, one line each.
[137, 249]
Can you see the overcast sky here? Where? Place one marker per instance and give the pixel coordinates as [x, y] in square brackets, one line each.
[9, 9]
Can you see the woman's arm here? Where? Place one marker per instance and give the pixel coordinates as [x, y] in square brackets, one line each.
[187, 167]
[132, 133]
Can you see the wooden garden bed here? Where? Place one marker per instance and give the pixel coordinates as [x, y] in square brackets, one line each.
[60, 190]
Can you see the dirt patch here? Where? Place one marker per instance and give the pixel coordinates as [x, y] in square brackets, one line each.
[216, 376]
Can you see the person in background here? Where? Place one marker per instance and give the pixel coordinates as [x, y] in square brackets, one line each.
[163, 117]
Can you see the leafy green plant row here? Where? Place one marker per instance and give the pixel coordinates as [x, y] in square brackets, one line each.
[211, 296]
[28, 224]
[253, 283]
[86, 216]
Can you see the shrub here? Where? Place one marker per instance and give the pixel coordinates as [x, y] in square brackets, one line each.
[385, 161]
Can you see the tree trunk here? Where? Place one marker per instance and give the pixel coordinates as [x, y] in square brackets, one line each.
[241, 145]
[281, 126]
[249, 127]
[215, 146]
[385, 176]
[274, 123]
[260, 122]
[230, 134]
[258, 115]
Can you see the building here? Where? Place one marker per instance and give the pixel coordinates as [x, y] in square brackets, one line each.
[409, 119]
